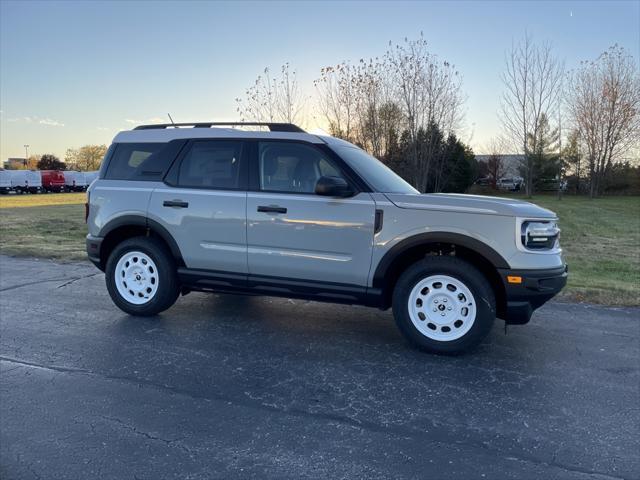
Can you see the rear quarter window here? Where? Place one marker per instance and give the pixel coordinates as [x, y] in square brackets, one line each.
[140, 161]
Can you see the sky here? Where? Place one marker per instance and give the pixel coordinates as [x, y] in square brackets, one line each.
[75, 73]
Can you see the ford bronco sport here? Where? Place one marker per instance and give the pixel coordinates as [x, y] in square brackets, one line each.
[199, 207]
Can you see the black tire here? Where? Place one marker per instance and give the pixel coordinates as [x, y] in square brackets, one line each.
[463, 272]
[168, 288]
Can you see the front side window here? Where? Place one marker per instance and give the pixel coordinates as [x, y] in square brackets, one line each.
[292, 167]
[212, 164]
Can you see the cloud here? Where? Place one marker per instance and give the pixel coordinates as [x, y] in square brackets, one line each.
[103, 129]
[144, 122]
[50, 122]
[41, 121]
[19, 119]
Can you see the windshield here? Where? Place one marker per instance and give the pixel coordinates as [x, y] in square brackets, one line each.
[380, 177]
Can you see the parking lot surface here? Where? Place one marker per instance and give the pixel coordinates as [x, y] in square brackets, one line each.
[225, 386]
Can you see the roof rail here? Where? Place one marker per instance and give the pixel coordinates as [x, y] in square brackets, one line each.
[274, 127]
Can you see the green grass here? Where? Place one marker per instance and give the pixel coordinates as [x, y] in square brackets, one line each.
[56, 231]
[601, 243]
[600, 238]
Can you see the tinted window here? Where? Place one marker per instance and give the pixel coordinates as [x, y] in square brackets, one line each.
[373, 171]
[214, 165]
[130, 158]
[291, 167]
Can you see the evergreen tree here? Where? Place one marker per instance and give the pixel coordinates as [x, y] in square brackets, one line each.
[572, 156]
[545, 163]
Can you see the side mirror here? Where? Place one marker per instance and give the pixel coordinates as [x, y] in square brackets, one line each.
[333, 187]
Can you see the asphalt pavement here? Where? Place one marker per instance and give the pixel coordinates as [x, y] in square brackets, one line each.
[224, 386]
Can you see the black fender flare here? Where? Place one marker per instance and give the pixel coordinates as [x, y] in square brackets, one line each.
[142, 221]
[465, 241]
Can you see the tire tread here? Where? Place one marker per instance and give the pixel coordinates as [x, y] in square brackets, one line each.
[168, 289]
[463, 271]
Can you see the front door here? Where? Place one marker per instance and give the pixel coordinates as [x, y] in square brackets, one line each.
[292, 233]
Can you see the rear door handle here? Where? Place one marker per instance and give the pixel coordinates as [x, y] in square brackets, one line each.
[175, 203]
[271, 209]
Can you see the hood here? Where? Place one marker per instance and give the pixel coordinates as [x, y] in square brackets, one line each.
[479, 204]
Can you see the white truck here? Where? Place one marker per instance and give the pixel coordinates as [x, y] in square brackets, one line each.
[25, 181]
[75, 181]
[90, 177]
[512, 184]
[5, 181]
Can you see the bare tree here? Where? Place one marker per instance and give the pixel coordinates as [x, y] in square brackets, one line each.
[408, 89]
[429, 93]
[358, 104]
[495, 163]
[86, 158]
[532, 81]
[408, 64]
[604, 106]
[369, 94]
[390, 123]
[338, 98]
[272, 99]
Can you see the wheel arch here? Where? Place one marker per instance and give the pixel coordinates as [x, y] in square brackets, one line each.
[417, 247]
[128, 226]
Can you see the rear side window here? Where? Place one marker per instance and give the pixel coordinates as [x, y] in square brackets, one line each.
[132, 160]
[213, 165]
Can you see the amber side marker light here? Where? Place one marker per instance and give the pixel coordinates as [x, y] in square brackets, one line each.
[514, 279]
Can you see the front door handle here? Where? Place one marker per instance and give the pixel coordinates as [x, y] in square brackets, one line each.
[271, 209]
[175, 203]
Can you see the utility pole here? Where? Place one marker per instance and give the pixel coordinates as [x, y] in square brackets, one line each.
[26, 154]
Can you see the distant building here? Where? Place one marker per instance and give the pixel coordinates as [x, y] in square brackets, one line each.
[14, 163]
[510, 163]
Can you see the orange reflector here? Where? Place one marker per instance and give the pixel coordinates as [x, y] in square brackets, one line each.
[514, 279]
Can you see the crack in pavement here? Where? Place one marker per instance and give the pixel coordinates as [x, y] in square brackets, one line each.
[437, 435]
[79, 278]
[47, 280]
[36, 282]
[45, 367]
[171, 443]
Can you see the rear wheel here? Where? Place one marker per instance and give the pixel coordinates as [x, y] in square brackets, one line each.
[444, 305]
[141, 276]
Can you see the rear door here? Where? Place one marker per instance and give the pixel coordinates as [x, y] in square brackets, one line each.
[203, 205]
[292, 233]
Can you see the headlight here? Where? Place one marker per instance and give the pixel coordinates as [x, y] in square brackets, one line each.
[539, 235]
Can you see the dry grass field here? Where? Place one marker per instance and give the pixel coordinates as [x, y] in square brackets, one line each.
[25, 201]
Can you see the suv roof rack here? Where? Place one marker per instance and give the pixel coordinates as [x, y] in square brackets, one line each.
[274, 127]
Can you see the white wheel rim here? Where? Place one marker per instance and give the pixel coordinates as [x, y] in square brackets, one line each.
[136, 278]
[442, 308]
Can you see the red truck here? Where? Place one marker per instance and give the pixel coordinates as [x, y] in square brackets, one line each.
[52, 180]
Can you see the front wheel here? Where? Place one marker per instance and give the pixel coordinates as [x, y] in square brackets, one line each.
[444, 305]
[141, 276]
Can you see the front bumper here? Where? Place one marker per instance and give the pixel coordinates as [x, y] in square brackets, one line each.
[93, 250]
[535, 288]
